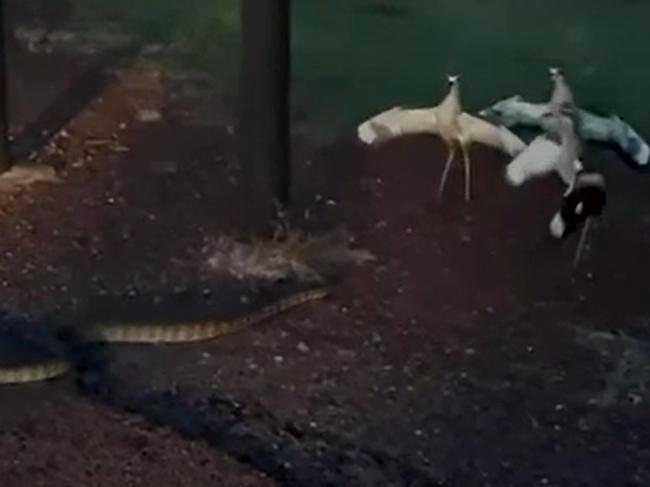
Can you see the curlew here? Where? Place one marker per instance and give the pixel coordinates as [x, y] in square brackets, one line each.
[448, 121]
[559, 151]
[515, 111]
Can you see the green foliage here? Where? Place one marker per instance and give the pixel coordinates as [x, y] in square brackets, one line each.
[210, 34]
[206, 32]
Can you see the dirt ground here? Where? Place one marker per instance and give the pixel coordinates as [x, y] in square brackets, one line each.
[468, 354]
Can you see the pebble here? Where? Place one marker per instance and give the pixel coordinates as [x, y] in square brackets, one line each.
[302, 347]
[148, 115]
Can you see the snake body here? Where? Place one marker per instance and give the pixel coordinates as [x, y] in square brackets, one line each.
[182, 332]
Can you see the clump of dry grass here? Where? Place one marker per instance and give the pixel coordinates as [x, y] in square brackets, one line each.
[28, 174]
[290, 254]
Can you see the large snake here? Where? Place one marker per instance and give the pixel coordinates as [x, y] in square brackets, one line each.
[153, 333]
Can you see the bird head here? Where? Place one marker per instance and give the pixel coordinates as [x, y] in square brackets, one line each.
[555, 72]
[453, 79]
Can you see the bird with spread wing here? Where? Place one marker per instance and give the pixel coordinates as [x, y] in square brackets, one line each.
[448, 121]
[612, 130]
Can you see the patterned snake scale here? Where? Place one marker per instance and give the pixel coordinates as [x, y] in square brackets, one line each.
[154, 333]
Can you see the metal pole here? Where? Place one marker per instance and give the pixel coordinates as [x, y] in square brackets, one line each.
[263, 129]
[5, 157]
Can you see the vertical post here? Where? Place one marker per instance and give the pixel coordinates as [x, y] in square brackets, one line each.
[263, 130]
[5, 158]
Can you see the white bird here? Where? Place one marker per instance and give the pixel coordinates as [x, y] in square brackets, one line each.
[557, 151]
[446, 120]
[586, 193]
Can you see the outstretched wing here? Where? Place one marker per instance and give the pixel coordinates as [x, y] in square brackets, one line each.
[476, 129]
[541, 157]
[398, 121]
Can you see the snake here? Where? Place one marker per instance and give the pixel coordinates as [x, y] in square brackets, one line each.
[152, 333]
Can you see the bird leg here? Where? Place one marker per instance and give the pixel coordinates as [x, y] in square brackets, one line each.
[581, 242]
[467, 162]
[445, 172]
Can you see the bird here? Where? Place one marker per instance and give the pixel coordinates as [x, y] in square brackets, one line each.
[448, 112]
[514, 111]
[562, 106]
[559, 148]
[559, 151]
[581, 205]
[562, 98]
[448, 121]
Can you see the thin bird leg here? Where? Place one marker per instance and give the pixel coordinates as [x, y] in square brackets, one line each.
[445, 172]
[581, 242]
[468, 163]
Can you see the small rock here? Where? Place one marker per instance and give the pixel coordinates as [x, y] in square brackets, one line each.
[148, 115]
[278, 359]
[302, 347]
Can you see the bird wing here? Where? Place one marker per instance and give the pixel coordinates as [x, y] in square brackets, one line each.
[475, 129]
[541, 157]
[398, 121]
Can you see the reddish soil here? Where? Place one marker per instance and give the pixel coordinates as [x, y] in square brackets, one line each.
[87, 444]
[466, 355]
